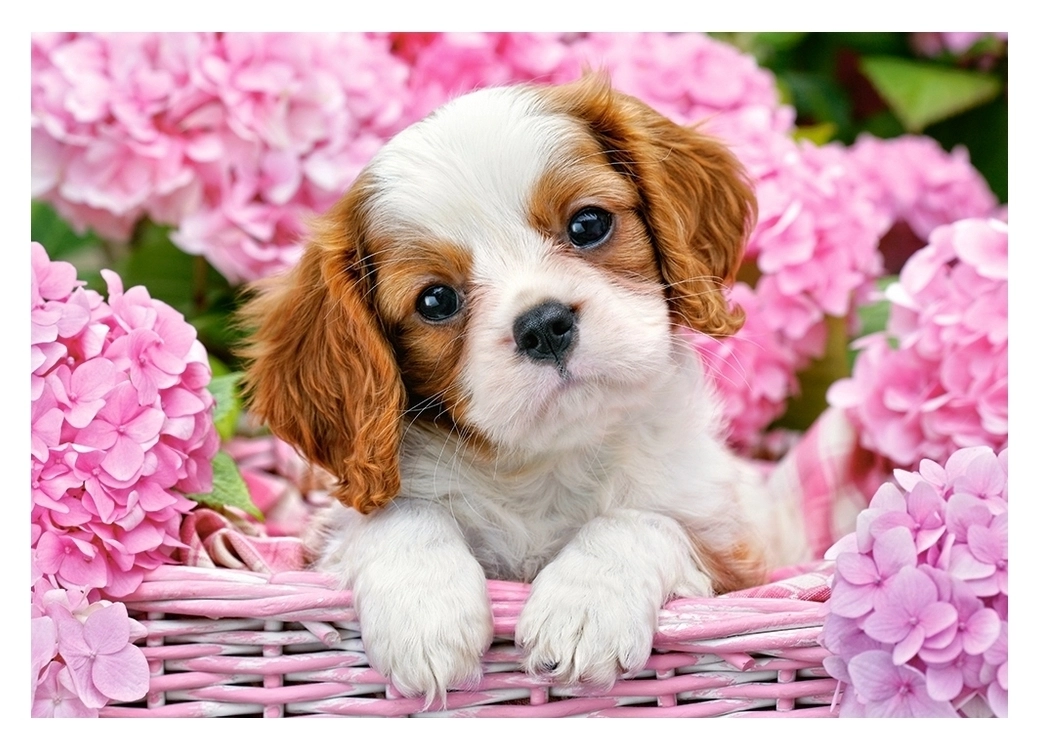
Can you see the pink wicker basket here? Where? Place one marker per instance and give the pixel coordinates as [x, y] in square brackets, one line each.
[235, 643]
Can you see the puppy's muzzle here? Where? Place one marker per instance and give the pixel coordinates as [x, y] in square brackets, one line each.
[545, 332]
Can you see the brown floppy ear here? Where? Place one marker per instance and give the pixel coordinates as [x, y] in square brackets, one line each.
[696, 198]
[320, 372]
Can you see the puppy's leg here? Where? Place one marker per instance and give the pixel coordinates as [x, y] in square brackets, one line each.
[593, 610]
[420, 595]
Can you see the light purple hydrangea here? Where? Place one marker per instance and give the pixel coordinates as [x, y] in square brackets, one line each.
[919, 611]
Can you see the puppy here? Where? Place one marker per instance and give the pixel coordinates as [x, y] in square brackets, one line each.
[484, 343]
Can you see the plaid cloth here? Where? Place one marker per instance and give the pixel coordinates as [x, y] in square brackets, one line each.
[827, 474]
[213, 540]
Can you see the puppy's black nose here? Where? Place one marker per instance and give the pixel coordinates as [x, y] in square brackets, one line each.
[545, 332]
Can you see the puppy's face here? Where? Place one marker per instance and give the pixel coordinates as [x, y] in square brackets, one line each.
[510, 267]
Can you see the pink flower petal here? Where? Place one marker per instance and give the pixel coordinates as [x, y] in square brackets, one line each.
[107, 630]
[944, 683]
[123, 675]
[981, 631]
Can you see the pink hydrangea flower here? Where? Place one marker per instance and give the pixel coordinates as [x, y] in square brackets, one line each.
[908, 614]
[753, 371]
[120, 431]
[921, 629]
[945, 385]
[868, 576]
[912, 179]
[55, 695]
[232, 138]
[97, 652]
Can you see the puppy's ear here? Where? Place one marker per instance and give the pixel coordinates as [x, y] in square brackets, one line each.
[320, 372]
[697, 202]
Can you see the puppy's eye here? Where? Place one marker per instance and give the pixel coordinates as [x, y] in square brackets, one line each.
[589, 226]
[436, 303]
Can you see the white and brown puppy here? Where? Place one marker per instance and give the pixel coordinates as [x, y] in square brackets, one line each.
[482, 344]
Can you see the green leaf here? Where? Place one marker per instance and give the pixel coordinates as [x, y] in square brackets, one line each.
[229, 405]
[229, 489]
[922, 93]
[813, 381]
[819, 134]
[160, 266]
[873, 317]
[817, 98]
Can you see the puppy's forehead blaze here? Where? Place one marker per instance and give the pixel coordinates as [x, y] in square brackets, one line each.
[455, 192]
[469, 169]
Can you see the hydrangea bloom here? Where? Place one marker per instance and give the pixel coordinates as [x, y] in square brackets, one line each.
[82, 656]
[753, 371]
[121, 428]
[918, 614]
[945, 385]
[234, 139]
[912, 179]
[687, 77]
[445, 65]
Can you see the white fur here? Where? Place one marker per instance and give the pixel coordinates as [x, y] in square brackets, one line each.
[599, 478]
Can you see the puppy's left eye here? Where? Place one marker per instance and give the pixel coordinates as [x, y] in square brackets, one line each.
[436, 303]
[588, 227]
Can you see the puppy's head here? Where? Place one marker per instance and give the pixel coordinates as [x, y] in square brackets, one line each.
[510, 267]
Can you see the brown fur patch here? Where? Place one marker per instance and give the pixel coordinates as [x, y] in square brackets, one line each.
[429, 354]
[736, 567]
[694, 197]
[319, 370]
[585, 179]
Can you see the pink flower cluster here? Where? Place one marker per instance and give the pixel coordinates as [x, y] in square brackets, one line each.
[233, 139]
[81, 652]
[918, 620]
[945, 384]
[912, 179]
[815, 251]
[121, 426]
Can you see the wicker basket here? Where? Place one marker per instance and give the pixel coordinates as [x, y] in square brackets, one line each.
[235, 643]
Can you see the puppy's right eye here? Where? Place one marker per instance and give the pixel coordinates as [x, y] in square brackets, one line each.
[589, 227]
[437, 303]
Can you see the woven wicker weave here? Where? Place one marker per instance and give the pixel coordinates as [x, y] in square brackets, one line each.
[230, 643]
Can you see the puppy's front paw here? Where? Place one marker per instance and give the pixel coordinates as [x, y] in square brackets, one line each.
[585, 629]
[428, 634]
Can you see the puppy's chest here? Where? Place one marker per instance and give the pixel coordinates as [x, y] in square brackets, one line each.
[515, 523]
